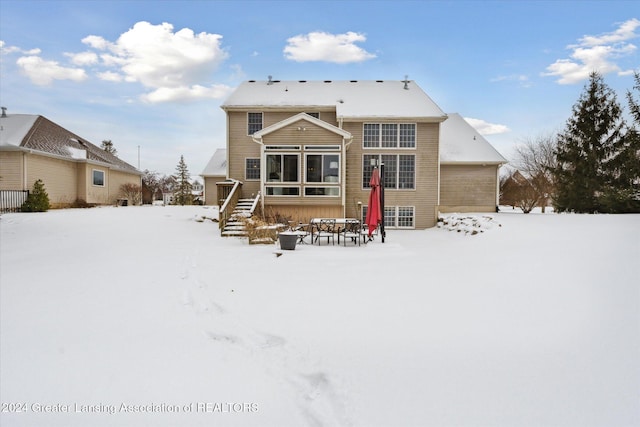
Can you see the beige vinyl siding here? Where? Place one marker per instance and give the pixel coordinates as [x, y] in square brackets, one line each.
[468, 188]
[241, 146]
[116, 179]
[423, 197]
[59, 178]
[211, 190]
[11, 171]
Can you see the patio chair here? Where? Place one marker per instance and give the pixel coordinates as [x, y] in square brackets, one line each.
[303, 231]
[351, 231]
[365, 233]
[326, 228]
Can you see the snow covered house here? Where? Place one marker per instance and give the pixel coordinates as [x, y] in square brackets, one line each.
[33, 147]
[308, 148]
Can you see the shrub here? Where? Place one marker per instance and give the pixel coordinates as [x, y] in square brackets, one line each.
[38, 199]
[131, 192]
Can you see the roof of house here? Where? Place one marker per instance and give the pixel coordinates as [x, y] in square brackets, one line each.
[462, 143]
[37, 133]
[352, 99]
[217, 165]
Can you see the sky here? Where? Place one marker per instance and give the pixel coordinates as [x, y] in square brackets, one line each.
[151, 75]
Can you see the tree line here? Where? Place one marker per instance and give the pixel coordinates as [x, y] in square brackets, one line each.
[592, 165]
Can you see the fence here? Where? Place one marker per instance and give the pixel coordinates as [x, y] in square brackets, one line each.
[11, 200]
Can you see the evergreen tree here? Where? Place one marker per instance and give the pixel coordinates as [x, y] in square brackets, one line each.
[182, 192]
[591, 140]
[37, 200]
[107, 146]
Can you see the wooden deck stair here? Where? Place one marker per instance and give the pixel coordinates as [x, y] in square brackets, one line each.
[235, 226]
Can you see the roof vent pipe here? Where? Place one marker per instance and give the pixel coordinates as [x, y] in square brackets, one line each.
[406, 82]
[270, 82]
[4, 111]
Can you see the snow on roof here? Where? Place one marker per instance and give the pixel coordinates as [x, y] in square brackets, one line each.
[350, 98]
[461, 143]
[217, 165]
[15, 127]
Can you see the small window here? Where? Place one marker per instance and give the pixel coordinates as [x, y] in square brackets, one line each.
[254, 123]
[252, 169]
[98, 178]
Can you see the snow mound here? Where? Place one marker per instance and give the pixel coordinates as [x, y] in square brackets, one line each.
[467, 224]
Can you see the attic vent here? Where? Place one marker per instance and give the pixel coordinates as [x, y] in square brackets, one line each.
[379, 81]
[302, 81]
[353, 81]
[252, 81]
[327, 81]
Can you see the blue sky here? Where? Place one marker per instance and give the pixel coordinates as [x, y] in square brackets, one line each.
[151, 75]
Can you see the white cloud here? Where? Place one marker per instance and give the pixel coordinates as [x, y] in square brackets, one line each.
[174, 65]
[110, 76]
[42, 72]
[5, 50]
[184, 93]
[83, 58]
[596, 53]
[486, 128]
[321, 46]
[521, 79]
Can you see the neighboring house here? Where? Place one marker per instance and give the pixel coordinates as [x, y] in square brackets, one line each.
[309, 148]
[214, 172]
[72, 169]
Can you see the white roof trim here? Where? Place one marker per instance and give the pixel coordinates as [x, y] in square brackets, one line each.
[302, 116]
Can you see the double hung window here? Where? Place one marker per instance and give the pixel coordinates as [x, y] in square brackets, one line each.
[252, 169]
[254, 123]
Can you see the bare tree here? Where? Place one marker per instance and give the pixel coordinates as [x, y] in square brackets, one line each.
[535, 158]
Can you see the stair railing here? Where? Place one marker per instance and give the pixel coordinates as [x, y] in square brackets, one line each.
[232, 190]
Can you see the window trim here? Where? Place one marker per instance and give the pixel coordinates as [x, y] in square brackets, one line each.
[246, 168]
[249, 122]
[398, 139]
[322, 183]
[93, 178]
[365, 167]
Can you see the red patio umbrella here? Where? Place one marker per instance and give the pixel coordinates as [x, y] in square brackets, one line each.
[373, 209]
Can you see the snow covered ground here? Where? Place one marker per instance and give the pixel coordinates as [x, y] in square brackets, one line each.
[146, 316]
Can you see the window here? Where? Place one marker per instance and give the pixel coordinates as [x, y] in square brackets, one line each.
[389, 135]
[252, 169]
[323, 168]
[282, 168]
[399, 170]
[254, 123]
[282, 191]
[98, 178]
[396, 216]
[322, 191]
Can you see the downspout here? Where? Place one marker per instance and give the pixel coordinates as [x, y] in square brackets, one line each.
[263, 171]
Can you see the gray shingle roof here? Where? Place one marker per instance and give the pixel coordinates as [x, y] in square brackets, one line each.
[38, 133]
